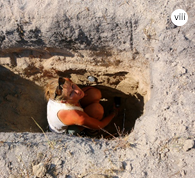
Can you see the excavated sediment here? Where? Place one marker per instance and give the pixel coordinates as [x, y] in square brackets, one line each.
[23, 94]
[124, 44]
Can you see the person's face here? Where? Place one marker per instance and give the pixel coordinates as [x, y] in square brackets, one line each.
[72, 92]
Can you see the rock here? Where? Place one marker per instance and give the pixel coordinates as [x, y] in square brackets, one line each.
[10, 98]
[183, 173]
[12, 176]
[49, 176]
[182, 70]
[96, 176]
[188, 144]
[5, 61]
[182, 163]
[57, 161]
[39, 170]
[129, 167]
[23, 62]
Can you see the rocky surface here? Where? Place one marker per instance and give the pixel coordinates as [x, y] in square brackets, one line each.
[41, 39]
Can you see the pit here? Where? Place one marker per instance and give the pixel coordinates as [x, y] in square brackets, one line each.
[24, 72]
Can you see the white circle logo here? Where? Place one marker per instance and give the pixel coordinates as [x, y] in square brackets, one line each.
[179, 17]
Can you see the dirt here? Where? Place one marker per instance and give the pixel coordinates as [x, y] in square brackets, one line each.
[23, 100]
[134, 51]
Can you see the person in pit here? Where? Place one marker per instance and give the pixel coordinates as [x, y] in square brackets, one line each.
[70, 109]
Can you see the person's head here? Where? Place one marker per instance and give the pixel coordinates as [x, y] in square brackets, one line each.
[64, 90]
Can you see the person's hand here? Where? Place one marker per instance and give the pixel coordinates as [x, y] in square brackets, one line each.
[114, 111]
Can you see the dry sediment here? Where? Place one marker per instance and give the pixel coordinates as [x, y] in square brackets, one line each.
[124, 45]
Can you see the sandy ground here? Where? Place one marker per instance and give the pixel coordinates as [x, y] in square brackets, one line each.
[133, 48]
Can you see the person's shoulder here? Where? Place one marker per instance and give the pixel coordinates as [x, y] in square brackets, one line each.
[72, 113]
[65, 111]
[87, 88]
[70, 117]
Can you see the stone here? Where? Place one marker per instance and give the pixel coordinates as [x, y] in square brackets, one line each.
[23, 62]
[5, 61]
[96, 176]
[39, 170]
[188, 144]
[183, 173]
[57, 161]
[12, 176]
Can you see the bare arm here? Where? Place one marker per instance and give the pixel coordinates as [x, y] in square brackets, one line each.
[75, 117]
[94, 123]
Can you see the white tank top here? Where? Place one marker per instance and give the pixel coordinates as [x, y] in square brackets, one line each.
[53, 107]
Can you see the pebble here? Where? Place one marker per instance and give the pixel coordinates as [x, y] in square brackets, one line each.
[188, 144]
[97, 176]
[182, 163]
[91, 79]
[129, 167]
[12, 176]
[10, 98]
[39, 170]
[5, 61]
[183, 173]
[182, 70]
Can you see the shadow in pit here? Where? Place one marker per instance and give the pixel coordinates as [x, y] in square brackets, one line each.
[20, 99]
[130, 109]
